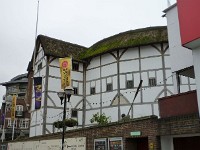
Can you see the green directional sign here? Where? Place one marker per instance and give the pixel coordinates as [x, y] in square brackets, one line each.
[135, 133]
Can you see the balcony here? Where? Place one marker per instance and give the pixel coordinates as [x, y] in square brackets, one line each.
[180, 104]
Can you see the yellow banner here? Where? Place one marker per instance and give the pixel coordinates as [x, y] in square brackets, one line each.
[65, 71]
[14, 98]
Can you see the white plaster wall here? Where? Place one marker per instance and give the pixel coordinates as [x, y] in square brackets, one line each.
[131, 53]
[94, 101]
[138, 110]
[108, 97]
[109, 70]
[150, 94]
[111, 112]
[147, 51]
[95, 62]
[177, 52]
[93, 74]
[196, 58]
[129, 66]
[151, 63]
[107, 58]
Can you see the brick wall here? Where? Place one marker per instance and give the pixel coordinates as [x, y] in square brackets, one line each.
[187, 124]
[151, 129]
[147, 125]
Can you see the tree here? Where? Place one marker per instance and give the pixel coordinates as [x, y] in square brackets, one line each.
[101, 119]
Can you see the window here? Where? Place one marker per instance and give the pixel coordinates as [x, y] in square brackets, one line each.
[10, 123]
[39, 66]
[19, 110]
[92, 90]
[152, 81]
[74, 113]
[23, 123]
[19, 107]
[109, 87]
[129, 84]
[75, 91]
[75, 66]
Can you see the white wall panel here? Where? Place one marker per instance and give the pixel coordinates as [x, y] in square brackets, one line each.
[103, 85]
[136, 79]
[54, 84]
[151, 63]
[128, 66]
[138, 110]
[93, 74]
[107, 98]
[88, 88]
[95, 62]
[115, 82]
[168, 62]
[98, 86]
[112, 112]
[122, 81]
[54, 71]
[147, 51]
[109, 70]
[145, 79]
[80, 88]
[77, 75]
[107, 58]
[131, 53]
[94, 100]
[149, 94]
[159, 78]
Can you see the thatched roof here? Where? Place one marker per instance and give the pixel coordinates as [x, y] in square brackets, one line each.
[133, 38]
[57, 48]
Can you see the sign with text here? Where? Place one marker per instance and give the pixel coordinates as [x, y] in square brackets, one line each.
[65, 71]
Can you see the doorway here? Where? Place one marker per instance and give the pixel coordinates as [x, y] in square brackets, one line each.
[186, 143]
[137, 143]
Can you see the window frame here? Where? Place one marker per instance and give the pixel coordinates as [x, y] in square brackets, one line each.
[92, 90]
[152, 82]
[24, 122]
[109, 87]
[128, 84]
[75, 90]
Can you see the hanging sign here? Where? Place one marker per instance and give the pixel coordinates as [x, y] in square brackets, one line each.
[38, 91]
[14, 98]
[65, 71]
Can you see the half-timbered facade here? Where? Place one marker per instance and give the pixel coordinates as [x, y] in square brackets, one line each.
[105, 77]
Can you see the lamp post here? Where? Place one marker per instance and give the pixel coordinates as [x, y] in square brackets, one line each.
[64, 94]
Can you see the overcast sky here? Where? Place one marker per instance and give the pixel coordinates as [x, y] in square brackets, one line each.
[82, 22]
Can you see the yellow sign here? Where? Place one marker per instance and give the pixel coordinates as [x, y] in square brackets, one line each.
[65, 71]
[14, 98]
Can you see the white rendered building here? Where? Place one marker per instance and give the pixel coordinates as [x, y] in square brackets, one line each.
[105, 77]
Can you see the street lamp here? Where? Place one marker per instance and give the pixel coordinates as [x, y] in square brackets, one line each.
[64, 94]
